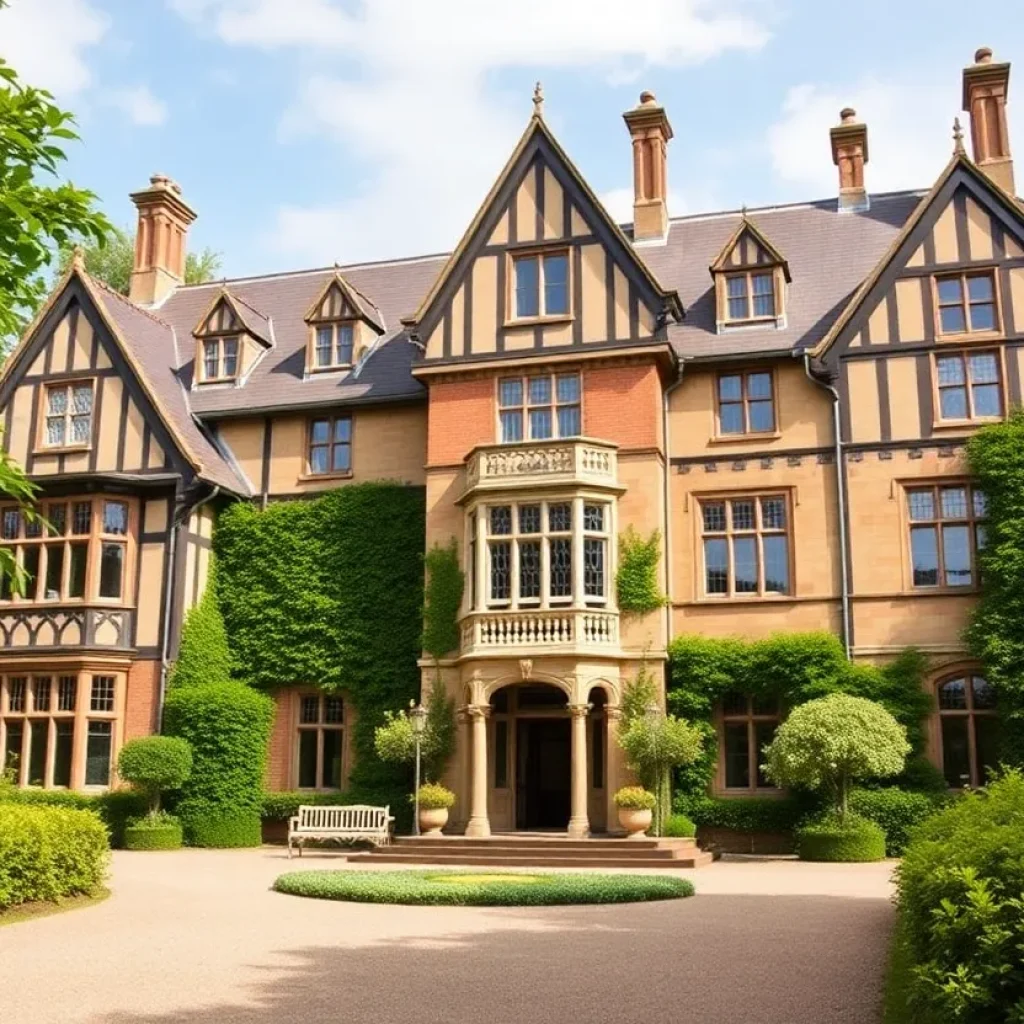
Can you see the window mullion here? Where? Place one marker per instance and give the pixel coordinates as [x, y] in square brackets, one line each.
[514, 559]
[545, 559]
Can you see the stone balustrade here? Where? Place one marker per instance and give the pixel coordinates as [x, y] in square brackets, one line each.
[524, 464]
[566, 630]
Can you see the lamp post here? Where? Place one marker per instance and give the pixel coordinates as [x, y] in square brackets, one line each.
[418, 718]
[652, 714]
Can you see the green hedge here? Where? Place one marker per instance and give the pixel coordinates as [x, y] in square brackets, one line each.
[855, 840]
[791, 668]
[204, 654]
[47, 853]
[480, 888]
[330, 591]
[144, 835]
[284, 804]
[896, 811]
[679, 826]
[228, 727]
[961, 911]
[746, 814]
[114, 808]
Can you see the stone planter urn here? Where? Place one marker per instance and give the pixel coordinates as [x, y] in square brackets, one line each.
[635, 821]
[432, 820]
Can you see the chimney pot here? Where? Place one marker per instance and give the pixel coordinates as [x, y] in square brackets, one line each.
[647, 99]
[650, 131]
[847, 115]
[160, 237]
[985, 88]
[983, 55]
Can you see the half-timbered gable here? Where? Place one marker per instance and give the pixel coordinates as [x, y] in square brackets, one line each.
[343, 326]
[231, 337]
[750, 277]
[542, 269]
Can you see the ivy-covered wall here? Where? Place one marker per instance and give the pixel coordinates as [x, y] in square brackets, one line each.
[329, 592]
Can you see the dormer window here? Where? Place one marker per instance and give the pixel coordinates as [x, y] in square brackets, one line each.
[220, 358]
[334, 345]
[541, 285]
[751, 296]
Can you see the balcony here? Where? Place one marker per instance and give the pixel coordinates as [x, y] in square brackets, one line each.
[525, 464]
[555, 631]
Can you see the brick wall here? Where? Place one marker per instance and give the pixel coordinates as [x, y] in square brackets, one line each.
[279, 756]
[141, 699]
[623, 404]
[461, 416]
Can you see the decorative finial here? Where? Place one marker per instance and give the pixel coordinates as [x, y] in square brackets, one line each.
[78, 258]
[538, 100]
[743, 210]
[958, 138]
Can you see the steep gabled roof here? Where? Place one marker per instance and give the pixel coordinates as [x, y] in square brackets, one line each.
[355, 299]
[538, 138]
[747, 227]
[252, 320]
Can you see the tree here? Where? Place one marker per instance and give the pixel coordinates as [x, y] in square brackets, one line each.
[111, 260]
[14, 484]
[38, 212]
[154, 764]
[395, 741]
[833, 741]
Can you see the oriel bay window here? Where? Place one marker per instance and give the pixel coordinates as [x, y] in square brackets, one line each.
[748, 726]
[320, 741]
[544, 554]
[970, 730]
[539, 408]
[73, 550]
[947, 531]
[746, 543]
[57, 728]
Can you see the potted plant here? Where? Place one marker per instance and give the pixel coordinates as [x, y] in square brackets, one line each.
[636, 810]
[153, 765]
[434, 801]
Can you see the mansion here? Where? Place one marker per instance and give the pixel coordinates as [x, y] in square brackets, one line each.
[782, 393]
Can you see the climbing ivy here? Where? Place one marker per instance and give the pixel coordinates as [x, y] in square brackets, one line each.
[328, 592]
[445, 584]
[636, 582]
[203, 655]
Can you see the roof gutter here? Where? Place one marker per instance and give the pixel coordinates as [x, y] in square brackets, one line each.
[840, 462]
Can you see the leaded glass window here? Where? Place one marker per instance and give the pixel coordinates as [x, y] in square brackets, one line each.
[69, 414]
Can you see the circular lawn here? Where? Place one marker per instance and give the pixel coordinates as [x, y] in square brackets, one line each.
[480, 889]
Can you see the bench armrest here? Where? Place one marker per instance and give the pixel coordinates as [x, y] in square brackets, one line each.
[293, 823]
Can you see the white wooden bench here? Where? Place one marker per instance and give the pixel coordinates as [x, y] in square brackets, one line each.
[358, 821]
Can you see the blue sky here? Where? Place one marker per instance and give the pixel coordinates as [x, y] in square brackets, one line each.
[309, 131]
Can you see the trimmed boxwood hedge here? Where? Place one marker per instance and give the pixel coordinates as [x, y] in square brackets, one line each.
[679, 826]
[166, 835]
[114, 808]
[227, 724]
[896, 811]
[285, 803]
[856, 840]
[47, 853]
[480, 888]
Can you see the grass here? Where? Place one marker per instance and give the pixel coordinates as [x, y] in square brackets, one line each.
[31, 911]
[476, 889]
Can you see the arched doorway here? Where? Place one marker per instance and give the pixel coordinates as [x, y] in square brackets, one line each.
[532, 770]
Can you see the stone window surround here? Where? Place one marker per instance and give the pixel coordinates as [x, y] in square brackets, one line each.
[81, 715]
[971, 520]
[95, 539]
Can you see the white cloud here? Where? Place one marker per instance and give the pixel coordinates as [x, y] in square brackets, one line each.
[139, 103]
[910, 130]
[45, 42]
[414, 105]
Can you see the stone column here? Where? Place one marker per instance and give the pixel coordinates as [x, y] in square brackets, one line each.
[579, 822]
[479, 824]
[612, 765]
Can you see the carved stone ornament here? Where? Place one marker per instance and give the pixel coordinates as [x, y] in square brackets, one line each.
[525, 668]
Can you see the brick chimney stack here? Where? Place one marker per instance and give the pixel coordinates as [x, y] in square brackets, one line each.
[985, 88]
[160, 241]
[850, 154]
[650, 131]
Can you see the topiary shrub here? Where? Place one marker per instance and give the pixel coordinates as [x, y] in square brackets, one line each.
[153, 764]
[635, 798]
[848, 839]
[47, 853]
[829, 743]
[961, 912]
[679, 826]
[227, 725]
[896, 811]
[158, 831]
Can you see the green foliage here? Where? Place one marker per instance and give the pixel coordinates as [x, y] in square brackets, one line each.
[162, 832]
[442, 599]
[153, 764]
[635, 798]
[896, 811]
[395, 742]
[745, 814]
[14, 485]
[203, 656]
[850, 839]
[227, 725]
[112, 259]
[330, 591]
[996, 632]
[961, 911]
[434, 797]
[47, 853]
[114, 808]
[679, 826]
[38, 212]
[476, 889]
[639, 697]
[636, 581]
[285, 804]
[831, 742]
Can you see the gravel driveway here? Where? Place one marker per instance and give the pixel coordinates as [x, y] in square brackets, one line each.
[196, 936]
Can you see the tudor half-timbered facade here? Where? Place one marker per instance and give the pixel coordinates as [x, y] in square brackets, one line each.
[784, 393]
